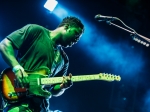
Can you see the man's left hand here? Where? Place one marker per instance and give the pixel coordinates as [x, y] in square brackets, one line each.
[66, 83]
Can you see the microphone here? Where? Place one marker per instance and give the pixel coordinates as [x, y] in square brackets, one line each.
[105, 18]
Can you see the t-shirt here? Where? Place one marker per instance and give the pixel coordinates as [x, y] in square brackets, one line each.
[35, 49]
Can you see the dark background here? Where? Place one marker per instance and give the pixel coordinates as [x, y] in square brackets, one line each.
[102, 49]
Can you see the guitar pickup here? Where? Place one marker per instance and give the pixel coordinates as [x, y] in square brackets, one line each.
[34, 81]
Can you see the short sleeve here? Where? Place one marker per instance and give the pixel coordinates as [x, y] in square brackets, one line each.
[27, 32]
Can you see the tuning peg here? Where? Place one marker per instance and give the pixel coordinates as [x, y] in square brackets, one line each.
[118, 78]
[112, 76]
[109, 75]
[106, 74]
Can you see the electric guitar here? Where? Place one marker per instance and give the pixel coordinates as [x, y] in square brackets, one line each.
[11, 92]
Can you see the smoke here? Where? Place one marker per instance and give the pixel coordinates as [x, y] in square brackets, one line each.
[118, 56]
[145, 107]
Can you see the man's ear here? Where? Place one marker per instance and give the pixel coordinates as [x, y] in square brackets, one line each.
[66, 26]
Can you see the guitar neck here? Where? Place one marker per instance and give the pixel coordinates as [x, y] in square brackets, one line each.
[101, 76]
[55, 80]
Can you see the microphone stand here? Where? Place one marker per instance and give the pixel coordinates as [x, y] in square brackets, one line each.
[133, 33]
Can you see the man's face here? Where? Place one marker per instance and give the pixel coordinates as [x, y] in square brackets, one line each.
[71, 35]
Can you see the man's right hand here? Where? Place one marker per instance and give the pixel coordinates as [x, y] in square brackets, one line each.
[22, 78]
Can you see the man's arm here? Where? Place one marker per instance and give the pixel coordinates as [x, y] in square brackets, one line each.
[8, 54]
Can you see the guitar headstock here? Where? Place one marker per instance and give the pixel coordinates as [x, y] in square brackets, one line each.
[109, 77]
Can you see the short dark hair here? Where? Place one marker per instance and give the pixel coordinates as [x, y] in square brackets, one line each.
[72, 21]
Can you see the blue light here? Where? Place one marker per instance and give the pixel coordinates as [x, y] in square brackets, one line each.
[117, 57]
[50, 5]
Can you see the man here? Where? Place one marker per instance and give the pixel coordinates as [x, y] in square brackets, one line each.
[40, 48]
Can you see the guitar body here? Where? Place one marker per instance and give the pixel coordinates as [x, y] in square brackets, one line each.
[13, 93]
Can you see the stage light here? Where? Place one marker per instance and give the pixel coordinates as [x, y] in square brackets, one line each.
[50, 5]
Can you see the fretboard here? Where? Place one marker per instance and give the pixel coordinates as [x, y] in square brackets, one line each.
[55, 80]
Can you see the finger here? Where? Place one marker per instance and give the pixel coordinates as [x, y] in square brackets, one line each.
[65, 78]
[25, 74]
[19, 79]
[25, 81]
[25, 78]
[70, 75]
[65, 81]
[19, 74]
[20, 82]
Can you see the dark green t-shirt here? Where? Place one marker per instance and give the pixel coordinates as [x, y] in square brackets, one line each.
[35, 49]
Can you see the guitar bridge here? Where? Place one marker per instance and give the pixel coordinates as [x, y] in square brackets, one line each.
[11, 94]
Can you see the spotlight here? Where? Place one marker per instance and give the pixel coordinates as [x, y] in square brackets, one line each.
[50, 5]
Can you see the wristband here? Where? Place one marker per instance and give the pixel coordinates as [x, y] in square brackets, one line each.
[17, 68]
